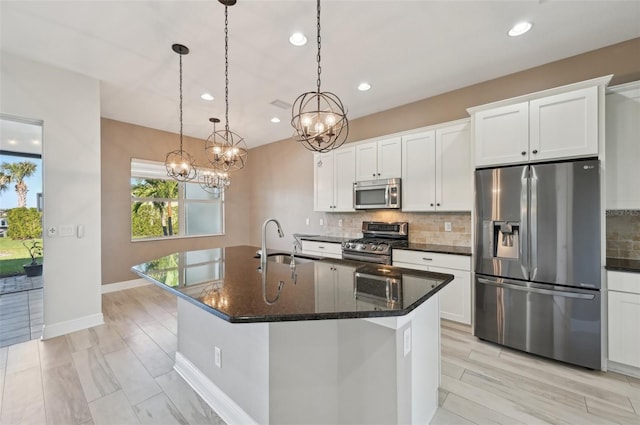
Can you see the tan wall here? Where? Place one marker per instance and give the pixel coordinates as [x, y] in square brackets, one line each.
[119, 143]
[282, 172]
[278, 179]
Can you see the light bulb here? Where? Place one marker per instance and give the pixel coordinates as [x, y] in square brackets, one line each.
[319, 127]
[331, 120]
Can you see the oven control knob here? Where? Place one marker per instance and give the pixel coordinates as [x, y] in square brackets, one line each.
[381, 247]
[360, 246]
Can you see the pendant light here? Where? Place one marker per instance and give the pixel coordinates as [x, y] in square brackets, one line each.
[319, 118]
[226, 150]
[179, 164]
[213, 181]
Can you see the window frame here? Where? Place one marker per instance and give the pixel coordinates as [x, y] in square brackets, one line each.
[153, 170]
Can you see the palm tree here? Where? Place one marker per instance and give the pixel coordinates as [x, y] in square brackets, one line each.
[167, 189]
[16, 172]
[4, 182]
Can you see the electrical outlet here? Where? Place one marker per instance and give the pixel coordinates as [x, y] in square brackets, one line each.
[407, 341]
[447, 226]
[306, 221]
[340, 222]
[218, 355]
[321, 222]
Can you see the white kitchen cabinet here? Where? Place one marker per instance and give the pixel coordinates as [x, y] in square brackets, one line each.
[436, 170]
[379, 159]
[624, 316]
[623, 146]
[321, 249]
[502, 134]
[334, 175]
[455, 298]
[555, 124]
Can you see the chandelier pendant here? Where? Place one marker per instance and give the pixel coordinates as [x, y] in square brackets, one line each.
[225, 149]
[319, 118]
[213, 181]
[179, 164]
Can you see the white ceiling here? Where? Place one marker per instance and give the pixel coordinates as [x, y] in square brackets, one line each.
[407, 50]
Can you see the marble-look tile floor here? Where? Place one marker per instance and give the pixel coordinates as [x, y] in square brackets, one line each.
[121, 373]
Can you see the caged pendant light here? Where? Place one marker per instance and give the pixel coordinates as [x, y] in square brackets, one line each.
[319, 118]
[226, 150]
[213, 181]
[180, 164]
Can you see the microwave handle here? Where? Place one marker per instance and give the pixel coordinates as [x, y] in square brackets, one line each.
[387, 189]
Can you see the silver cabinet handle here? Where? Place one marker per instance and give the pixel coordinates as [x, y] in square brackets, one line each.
[321, 247]
[427, 259]
[565, 294]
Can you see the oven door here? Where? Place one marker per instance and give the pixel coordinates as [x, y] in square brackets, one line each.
[369, 258]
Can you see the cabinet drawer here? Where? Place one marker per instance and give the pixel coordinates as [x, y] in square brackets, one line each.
[333, 250]
[432, 259]
[623, 282]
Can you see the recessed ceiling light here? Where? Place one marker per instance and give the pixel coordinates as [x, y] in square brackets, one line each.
[35, 142]
[12, 142]
[275, 120]
[298, 39]
[206, 96]
[520, 28]
[364, 86]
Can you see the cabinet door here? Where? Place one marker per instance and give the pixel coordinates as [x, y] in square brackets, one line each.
[345, 290]
[367, 161]
[344, 163]
[389, 158]
[502, 135]
[564, 125]
[624, 315]
[419, 172]
[455, 298]
[323, 181]
[623, 147]
[453, 169]
[324, 287]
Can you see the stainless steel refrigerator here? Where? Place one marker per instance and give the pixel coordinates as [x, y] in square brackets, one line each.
[537, 266]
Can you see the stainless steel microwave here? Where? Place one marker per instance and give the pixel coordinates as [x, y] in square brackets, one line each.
[377, 194]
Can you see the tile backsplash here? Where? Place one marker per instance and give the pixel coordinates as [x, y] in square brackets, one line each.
[423, 227]
[623, 234]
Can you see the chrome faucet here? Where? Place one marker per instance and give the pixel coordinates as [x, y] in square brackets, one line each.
[263, 250]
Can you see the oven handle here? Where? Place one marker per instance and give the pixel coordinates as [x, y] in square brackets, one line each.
[379, 259]
[517, 287]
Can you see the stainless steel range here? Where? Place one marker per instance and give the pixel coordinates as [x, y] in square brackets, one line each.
[377, 242]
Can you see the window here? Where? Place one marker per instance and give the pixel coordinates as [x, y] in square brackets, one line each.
[164, 208]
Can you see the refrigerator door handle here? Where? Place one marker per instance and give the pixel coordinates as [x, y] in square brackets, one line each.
[504, 283]
[533, 266]
[524, 228]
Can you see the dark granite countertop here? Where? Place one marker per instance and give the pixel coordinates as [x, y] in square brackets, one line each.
[327, 239]
[227, 283]
[623, 265]
[443, 249]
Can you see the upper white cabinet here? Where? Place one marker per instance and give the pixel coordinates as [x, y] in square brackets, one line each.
[334, 175]
[380, 159]
[436, 170]
[554, 124]
[623, 146]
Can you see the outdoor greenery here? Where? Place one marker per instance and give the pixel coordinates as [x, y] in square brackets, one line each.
[24, 223]
[154, 214]
[13, 256]
[16, 172]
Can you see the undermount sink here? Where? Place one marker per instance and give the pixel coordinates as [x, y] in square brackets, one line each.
[286, 258]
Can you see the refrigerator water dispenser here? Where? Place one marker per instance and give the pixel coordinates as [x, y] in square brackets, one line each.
[506, 239]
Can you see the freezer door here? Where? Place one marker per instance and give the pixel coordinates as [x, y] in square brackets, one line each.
[565, 223]
[550, 321]
[501, 236]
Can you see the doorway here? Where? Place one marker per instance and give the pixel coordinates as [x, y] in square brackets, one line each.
[21, 242]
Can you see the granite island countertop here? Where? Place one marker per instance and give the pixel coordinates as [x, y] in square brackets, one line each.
[227, 282]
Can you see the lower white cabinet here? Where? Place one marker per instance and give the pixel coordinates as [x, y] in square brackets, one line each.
[333, 287]
[624, 317]
[455, 298]
[322, 249]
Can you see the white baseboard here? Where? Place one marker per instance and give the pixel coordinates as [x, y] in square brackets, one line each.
[62, 328]
[127, 284]
[623, 369]
[224, 406]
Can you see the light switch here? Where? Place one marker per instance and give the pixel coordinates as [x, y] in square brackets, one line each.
[67, 230]
[447, 226]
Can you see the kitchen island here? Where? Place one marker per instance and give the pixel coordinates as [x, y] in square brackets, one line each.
[326, 341]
